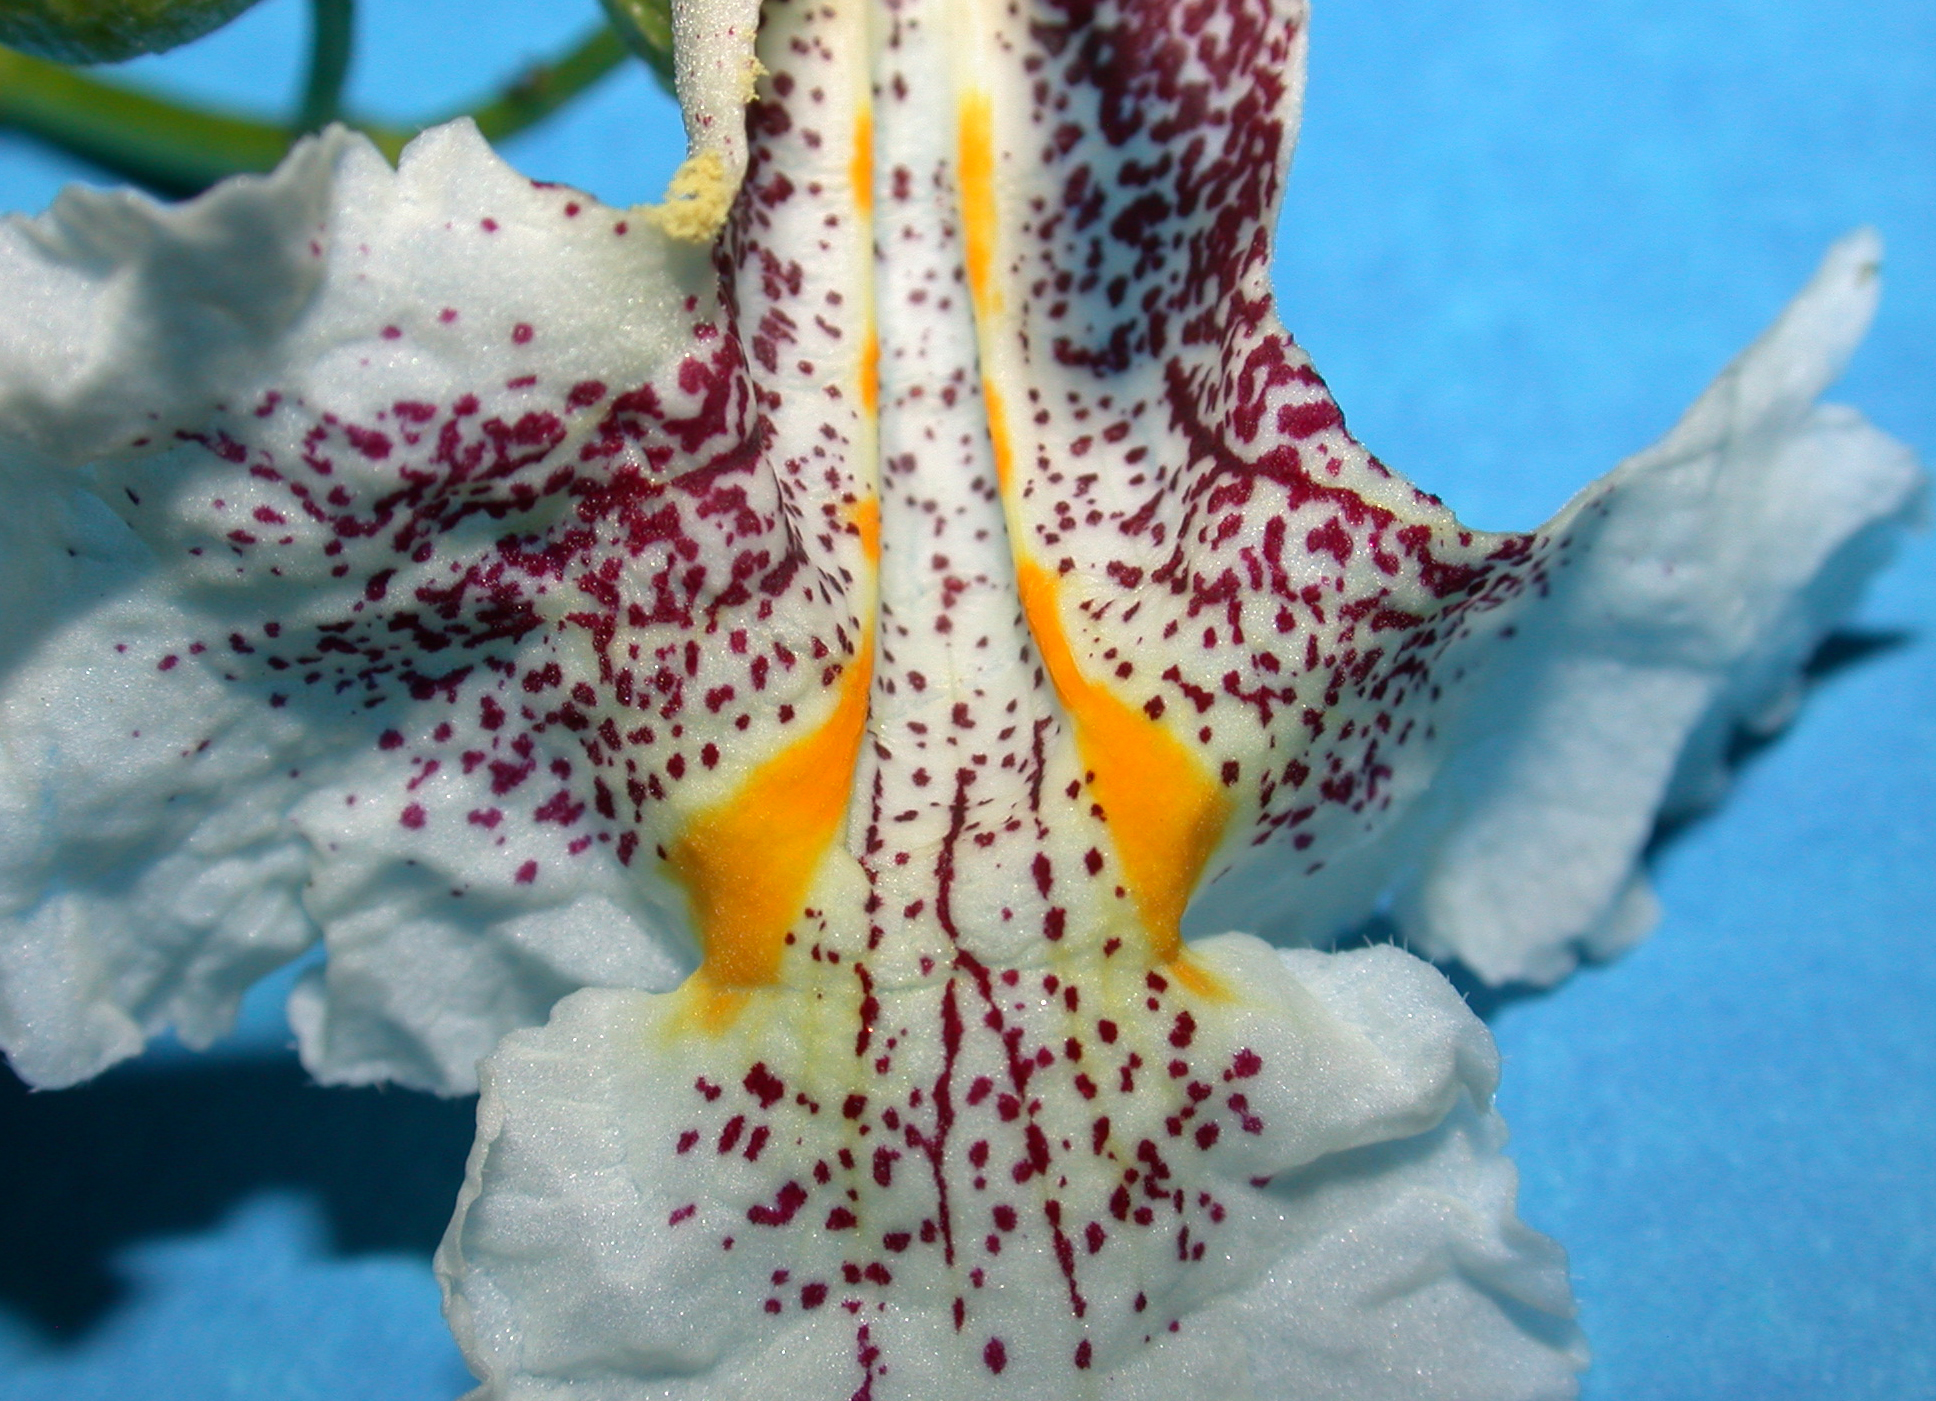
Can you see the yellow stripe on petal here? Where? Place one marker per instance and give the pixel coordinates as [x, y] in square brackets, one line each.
[975, 169]
[748, 862]
[870, 375]
[867, 520]
[861, 169]
[1000, 446]
[1197, 978]
[1165, 813]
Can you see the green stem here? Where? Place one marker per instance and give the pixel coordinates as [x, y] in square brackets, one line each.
[168, 147]
[177, 149]
[331, 35]
[545, 87]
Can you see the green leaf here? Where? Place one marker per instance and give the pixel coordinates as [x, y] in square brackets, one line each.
[107, 31]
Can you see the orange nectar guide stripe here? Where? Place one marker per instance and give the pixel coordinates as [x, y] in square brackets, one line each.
[1166, 815]
[748, 862]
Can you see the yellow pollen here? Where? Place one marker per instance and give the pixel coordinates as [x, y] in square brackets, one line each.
[698, 199]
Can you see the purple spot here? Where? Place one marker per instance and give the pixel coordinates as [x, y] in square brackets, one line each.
[763, 1085]
[785, 1207]
[369, 442]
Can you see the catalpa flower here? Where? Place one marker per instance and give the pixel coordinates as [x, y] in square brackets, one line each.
[859, 663]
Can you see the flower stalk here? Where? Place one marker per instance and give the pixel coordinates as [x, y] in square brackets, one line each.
[332, 40]
[174, 147]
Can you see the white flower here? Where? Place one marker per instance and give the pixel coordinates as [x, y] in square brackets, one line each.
[878, 629]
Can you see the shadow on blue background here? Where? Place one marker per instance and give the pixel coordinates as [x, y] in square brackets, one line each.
[147, 1152]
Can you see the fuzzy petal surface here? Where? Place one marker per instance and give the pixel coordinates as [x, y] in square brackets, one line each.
[317, 479]
[1043, 1189]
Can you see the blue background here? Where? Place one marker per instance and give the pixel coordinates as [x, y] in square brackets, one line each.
[1521, 236]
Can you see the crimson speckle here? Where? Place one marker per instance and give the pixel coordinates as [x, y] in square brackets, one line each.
[786, 1205]
[763, 1085]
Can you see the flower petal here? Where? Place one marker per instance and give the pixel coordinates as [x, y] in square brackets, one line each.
[655, 1214]
[452, 547]
[1687, 590]
[1271, 648]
